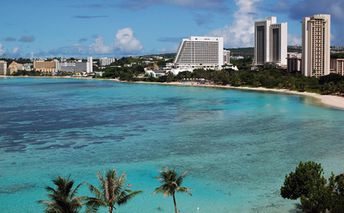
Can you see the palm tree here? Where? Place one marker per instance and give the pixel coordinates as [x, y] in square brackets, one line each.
[171, 183]
[63, 198]
[112, 192]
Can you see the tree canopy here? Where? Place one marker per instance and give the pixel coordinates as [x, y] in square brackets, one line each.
[316, 194]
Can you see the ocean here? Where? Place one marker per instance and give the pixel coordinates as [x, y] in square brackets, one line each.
[237, 146]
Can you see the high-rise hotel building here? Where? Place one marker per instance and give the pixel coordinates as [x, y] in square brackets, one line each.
[3, 68]
[316, 38]
[271, 42]
[200, 52]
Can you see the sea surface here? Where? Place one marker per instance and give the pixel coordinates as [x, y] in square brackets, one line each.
[237, 146]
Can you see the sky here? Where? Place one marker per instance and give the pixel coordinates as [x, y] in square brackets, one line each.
[80, 28]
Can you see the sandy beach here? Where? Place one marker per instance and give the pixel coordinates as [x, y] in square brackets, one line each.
[332, 101]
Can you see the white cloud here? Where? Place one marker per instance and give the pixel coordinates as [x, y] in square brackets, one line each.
[2, 50]
[125, 41]
[240, 32]
[100, 47]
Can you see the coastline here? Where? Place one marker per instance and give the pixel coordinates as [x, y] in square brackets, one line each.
[331, 101]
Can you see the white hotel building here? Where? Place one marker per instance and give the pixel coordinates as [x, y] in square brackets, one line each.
[106, 61]
[316, 38]
[271, 42]
[200, 52]
[77, 66]
[3, 68]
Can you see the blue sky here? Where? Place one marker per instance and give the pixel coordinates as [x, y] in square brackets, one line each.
[136, 27]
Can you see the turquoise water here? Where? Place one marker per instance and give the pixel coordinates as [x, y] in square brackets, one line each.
[237, 146]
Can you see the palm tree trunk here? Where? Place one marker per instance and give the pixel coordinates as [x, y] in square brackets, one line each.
[110, 209]
[175, 203]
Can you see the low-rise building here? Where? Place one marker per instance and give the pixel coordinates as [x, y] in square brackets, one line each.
[3, 68]
[238, 57]
[294, 62]
[337, 66]
[28, 67]
[15, 67]
[155, 73]
[46, 66]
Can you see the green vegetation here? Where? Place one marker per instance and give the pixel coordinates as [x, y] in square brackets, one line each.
[171, 183]
[243, 64]
[62, 198]
[337, 55]
[316, 194]
[124, 73]
[295, 48]
[125, 61]
[29, 73]
[244, 51]
[267, 76]
[306, 184]
[60, 73]
[112, 192]
[18, 60]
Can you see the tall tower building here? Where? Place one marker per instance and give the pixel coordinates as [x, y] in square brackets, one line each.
[271, 42]
[89, 65]
[316, 40]
[3, 68]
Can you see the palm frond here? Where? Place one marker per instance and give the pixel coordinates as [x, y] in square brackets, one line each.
[102, 182]
[75, 190]
[159, 189]
[112, 191]
[171, 182]
[50, 189]
[94, 190]
[63, 197]
[91, 209]
[93, 204]
[126, 195]
[180, 179]
[119, 185]
[92, 201]
[184, 189]
[110, 184]
[45, 202]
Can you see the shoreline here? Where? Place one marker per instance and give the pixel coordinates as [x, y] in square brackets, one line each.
[331, 101]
